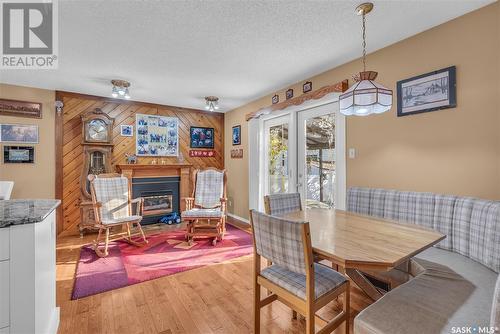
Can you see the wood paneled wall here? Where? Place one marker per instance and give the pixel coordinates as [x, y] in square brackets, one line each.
[69, 150]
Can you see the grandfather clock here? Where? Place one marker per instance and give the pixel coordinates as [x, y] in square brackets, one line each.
[97, 131]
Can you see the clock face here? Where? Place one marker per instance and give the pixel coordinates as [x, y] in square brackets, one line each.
[97, 130]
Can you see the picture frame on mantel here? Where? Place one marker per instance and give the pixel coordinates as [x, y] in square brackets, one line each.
[20, 108]
[428, 92]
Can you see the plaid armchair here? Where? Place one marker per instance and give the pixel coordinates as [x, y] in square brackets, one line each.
[112, 207]
[205, 213]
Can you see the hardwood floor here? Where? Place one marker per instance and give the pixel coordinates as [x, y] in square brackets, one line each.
[211, 299]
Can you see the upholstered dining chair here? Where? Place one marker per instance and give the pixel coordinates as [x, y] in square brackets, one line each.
[112, 206]
[294, 278]
[278, 204]
[6, 189]
[205, 212]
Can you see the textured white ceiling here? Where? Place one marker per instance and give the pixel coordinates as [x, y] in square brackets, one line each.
[177, 52]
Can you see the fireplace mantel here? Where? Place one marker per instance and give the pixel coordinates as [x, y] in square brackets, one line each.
[159, 170]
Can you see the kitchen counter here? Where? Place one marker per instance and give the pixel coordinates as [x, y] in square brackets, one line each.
[26, 211]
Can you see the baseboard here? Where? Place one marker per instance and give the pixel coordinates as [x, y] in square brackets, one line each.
[241, 219]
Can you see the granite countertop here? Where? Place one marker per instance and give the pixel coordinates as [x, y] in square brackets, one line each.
[25, 211]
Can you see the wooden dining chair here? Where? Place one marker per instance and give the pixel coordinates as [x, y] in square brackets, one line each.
[113, 207]
[279, 204]
[294, 278]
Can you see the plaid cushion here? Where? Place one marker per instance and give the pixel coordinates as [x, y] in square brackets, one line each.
[460, 234]
[484, 243]
[424, 210]
[407, 206]
[377, 202]
[280, 241]
[209, 188]
[359, 200]
[112, 193]
[205, 213]
[325, 280]
[122, 220]
[391, 205]
[495, 309]
[443, 218]
[284, 203]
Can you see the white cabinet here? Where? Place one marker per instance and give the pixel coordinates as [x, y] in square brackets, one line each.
[28, 278]
[4, 244]
[4, 294]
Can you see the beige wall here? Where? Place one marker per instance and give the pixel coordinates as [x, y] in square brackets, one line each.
[32, 180]
[452, 151]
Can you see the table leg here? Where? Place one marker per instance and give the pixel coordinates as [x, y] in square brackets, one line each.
[363, 283]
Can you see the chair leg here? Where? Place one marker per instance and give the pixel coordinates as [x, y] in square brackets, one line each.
[310, 329]
[294, 314]
[256, 306]
[129, 235]
[142, 233]
[106, 243]
[347, 306]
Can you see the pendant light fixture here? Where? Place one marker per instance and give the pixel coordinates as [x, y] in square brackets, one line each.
[366, 96]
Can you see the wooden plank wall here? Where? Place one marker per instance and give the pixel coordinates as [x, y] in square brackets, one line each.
[71, 150]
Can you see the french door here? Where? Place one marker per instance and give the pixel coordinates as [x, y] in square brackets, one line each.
[304, 152]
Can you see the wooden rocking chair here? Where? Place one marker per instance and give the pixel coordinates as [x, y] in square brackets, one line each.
[113, 207]
[206, 210]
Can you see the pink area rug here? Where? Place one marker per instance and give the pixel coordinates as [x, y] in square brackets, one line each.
[165, 254]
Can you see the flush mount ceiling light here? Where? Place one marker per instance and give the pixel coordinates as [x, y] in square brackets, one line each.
[120, 89]
[366, 96]
[211, 103]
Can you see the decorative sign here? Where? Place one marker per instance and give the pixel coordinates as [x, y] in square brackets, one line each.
[289, 94]
[157, 136]
[18, 154]
[307, 87]
[428, 92]
[237, 153]
[20, 108]
[202, 153]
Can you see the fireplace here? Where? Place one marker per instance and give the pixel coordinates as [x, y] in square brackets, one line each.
[161, 196]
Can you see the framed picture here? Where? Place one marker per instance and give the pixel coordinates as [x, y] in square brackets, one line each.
[427, 92]
[289, 94]
[127, 130]
[237, 135]
[275, 99]
[201, 137]
[20, 108]
[157, 136]
[18, 154]
[19, 133]
[307, 87]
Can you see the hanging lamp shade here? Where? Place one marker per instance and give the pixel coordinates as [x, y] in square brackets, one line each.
[366, 97]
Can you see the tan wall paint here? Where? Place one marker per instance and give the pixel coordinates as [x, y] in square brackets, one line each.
[32, 180]
[453, 151]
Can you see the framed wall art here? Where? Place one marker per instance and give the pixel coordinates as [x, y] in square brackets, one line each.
[19, 133]
[237, 153]
[18, 154]
[157, 136]
[126, 130]
[201, 137]
[236, 135]
[307, 87]
[20, 108]
[275, 99]
[427, 92]
[289, 94]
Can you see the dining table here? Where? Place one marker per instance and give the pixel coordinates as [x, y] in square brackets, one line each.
[357, 244]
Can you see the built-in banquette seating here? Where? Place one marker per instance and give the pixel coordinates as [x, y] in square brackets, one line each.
[452, 285]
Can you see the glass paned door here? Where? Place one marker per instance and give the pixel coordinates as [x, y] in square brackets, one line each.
[317, 156]
[278, 158]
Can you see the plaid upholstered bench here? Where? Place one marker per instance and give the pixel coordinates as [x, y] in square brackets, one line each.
[451, 286]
